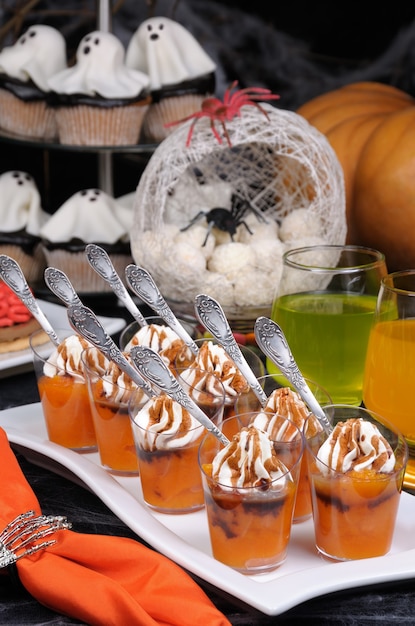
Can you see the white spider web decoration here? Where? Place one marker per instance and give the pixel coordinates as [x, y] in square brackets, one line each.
[278, 165]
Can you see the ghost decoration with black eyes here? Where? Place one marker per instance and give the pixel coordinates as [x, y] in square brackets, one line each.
[167, 52]
[20, 203]
[100, 70]
[38, 54]
[89, 215]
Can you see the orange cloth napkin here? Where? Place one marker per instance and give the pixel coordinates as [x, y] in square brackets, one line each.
[101, 580]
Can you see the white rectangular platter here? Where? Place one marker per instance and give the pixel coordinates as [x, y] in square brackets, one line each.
[21, 361]
[184, 538]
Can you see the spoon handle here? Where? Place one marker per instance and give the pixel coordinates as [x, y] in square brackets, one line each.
[152, 366]
[12, 274]
[142, 283]
[211, 315]
[61, 286]
[273, 343]
[84, 322]
[102, 264]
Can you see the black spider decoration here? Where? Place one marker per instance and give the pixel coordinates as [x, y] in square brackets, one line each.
[226, 220]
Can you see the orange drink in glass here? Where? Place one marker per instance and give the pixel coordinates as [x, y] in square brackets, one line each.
[390, 359]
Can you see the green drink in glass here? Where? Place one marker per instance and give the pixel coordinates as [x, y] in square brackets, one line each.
[316, 325]
[325, 306]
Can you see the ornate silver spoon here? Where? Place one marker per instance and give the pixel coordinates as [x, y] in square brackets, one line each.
[102, 264]
[144, 286]
[61, 286]
[152, 366]
[84, 322]
[12, 274]
[211, 315]
[274, 345]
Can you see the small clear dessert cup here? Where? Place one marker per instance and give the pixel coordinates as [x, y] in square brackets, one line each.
[64, 399]
[167, 442]
[233, 387]
[250, 526]
[300, 415]
[109, 400]
[354, 511]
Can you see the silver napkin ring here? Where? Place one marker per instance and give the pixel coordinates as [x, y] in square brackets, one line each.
[22, 535]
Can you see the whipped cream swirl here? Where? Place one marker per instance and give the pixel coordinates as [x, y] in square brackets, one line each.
[356, 444]
[213, 358]
[161, 339]
[166, 425]
[66, 359]
[283, 411]
[249, 460]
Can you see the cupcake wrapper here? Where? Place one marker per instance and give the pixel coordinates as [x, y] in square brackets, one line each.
[166, 111]
[94, 126]
[80, 273]
[29, 119]
[32, 265]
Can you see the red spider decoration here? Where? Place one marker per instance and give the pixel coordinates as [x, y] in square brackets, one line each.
[222, 112]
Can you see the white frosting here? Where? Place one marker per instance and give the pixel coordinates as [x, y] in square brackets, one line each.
[37, 55]
[249, 460]
[213, 358]
[20, 204]
[100, 70]
[167, 52]
[66, 359]
[161, 339]
[90, 215]
[166, 425]
[356, 444]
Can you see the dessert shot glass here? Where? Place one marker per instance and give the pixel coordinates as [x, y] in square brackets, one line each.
[299, 414]
[354, 512]
[109, 399]
[185, 359]
[167, 442]
[64, 398]
[250, 527]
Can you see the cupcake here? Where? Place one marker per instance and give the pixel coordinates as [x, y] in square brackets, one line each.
[89, 216]
[24, 71]
[181, 73]
[21, 218]
[99, 100]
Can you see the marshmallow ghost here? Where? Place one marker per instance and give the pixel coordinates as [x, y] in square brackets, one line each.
[167, 52]
[89, 215]
[38, 54]
[20, 206]
[100, 69]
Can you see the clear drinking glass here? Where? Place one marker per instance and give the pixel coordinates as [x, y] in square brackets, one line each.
[64, 399]
[325, 306]
[354, 512]
[390, 362]
[168, 454]
[250, 527]
[249, 402]
[109, 400]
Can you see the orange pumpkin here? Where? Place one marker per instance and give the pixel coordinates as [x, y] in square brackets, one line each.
[371, 127]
